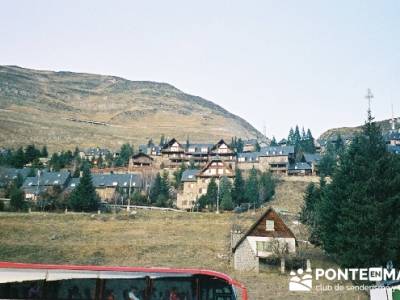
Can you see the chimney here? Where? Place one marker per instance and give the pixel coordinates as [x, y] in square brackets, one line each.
[236, 235]
[80, 174]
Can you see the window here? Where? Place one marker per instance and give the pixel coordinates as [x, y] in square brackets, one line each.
[82, 289]
[270, 225]
[264, 246]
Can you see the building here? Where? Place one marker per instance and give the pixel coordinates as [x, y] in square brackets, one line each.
[140, 160]
[393, 138]
[108, 186]
[246, 161]
[173, 154]
[198, 153]
[395, 149]
[250, 145]
[94, 153]
[262, 239]
[223, 151]
[313, 160]
[35, 186]
[300, 169]
[7, 175]
[195, 182]
[276, 159]
[150, 149]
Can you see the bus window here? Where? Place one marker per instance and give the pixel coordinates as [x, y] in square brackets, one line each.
[173, 288]
[79, 289]
[215, 289]
[21, 290]
[124, 289]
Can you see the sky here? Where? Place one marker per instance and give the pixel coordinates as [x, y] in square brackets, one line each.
[274, 63]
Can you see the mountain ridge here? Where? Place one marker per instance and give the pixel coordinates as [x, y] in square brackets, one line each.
[33, 100]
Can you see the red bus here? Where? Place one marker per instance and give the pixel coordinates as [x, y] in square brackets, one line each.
[65, 282]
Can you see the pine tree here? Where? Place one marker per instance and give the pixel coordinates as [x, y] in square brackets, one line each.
[17, 198]
[124, 155]
[357, 219]
[225, 194]
[291, 139]
[18, 159]
[155, 189]
[44, 152]
[273, 142]
[31, 153]
[212, 193]
[238, 189]
[84, 196]
[251, 192]
[267, 187]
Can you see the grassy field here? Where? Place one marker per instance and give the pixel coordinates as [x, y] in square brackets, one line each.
[152, 238]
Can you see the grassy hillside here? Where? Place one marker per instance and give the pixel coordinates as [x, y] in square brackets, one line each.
[349, 132]
[150, 238]
[44, 107]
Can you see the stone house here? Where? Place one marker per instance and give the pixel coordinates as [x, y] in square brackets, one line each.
[140, 160]
[173, 153]
[94, 153]
[246, 161]
[393, 138]
[250, 145]
[195, 182]
[108, 185]
[276, 159]
[300, 169]
[35, 186]
[261, 240]
[198, 153]
[224, 152]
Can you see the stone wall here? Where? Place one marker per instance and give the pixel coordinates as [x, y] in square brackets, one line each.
[244, 259]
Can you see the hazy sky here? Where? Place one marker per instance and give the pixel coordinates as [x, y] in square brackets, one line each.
[275, 62]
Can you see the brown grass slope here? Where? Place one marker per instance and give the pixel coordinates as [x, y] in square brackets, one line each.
[151, 238]
[35, 107]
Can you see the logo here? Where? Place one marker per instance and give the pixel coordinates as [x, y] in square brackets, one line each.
[300, 281]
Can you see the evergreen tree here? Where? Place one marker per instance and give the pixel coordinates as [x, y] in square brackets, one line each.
[84, 196]
[251, 192]
[18, 159]
[296, 136]
[357, 219]
[225, 194]
[162, 140]
[273, 142]
[239, 146]
[238, 189]
[155, 189]
[212, 193]
[257, 147]
[31, 153]
[124, 155]
[17, 198]
[291, 139]
[267, 187]
[44, 152]
[178, 176]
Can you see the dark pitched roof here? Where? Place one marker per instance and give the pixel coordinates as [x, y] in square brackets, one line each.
[216, 159]
[141, 154]
[189, 175]
[47, 179]
[300, 166]
[312, 157]
[114, 180]
[9, 174]
[259, 227]
[72, 184]
[248, 156]
[276, 151]
[170, 143]
[220, 142]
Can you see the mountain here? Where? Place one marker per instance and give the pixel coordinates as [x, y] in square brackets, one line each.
[349, 132]
[65, 109]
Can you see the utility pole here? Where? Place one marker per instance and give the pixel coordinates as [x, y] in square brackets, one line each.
[219, 179]
[128, 208]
